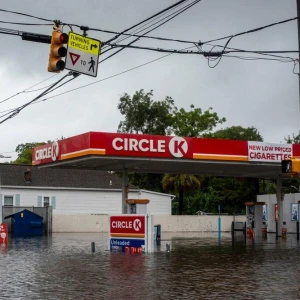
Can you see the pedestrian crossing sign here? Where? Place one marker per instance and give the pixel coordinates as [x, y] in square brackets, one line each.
[83, 54]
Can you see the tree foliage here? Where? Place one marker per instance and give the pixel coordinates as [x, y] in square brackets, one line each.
[237, 133]
[294, 139]
[195, 122]
[144, 115]
[25, 153]
[180, 184]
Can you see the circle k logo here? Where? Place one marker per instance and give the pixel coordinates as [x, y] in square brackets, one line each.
[54, 151]
[178, 146]
[137, 225]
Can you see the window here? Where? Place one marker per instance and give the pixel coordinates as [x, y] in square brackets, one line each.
[8, 201]
[46, 201]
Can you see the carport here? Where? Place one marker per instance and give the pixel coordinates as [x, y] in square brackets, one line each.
[125, 153]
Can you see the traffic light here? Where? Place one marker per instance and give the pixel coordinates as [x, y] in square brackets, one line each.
[291, 166]
[57, 51]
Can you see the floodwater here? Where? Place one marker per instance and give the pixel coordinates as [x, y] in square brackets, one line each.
[62, 266]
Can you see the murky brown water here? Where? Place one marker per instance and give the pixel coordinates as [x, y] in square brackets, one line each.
[198, 267]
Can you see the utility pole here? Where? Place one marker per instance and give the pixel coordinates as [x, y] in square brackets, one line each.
[298, 22]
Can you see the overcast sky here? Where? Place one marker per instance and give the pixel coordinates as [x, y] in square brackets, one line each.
[258, 93]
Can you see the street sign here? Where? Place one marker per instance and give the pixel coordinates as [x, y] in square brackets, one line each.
[131, 233]
[83, 54]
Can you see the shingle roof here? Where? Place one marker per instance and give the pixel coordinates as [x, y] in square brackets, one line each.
[13, 175]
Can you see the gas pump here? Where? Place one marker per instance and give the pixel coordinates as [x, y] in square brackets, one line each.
[254, 215]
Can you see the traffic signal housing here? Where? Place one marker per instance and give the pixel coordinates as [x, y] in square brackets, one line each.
[290, 166]
[57, 51]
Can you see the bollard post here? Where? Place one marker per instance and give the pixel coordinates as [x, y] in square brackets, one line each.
[284, 230]
[245, 232]
[276, 227]
[93, 247]
[264, 230]
[232, 231]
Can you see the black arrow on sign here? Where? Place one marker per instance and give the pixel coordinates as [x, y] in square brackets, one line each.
[93, 46]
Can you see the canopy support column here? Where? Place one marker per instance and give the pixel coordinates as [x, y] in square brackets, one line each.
[124, 190]
[279, 203]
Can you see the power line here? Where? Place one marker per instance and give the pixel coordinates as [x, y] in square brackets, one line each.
[257, 58]
[26, 24]
[24, 91]
[193, 3]
[126, 71]
[112, 76]
[271, 55]
[150, 18]
[208, 53]
[26, 15]
[250, 31]
[17, 111]
[189, 6]
[170, 16]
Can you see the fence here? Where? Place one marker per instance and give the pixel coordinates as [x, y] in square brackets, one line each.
[45, 212]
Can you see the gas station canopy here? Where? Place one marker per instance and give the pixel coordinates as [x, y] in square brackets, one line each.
[165, 154]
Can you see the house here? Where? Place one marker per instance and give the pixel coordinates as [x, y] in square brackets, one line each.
[71, 191]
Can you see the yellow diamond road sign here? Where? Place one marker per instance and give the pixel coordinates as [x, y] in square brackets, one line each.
[83, 54]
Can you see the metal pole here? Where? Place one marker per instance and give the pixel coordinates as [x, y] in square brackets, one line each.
[298, 22]
[297, 228]
[279, 196]
[1, 208]
[124, 189]
[219, 223]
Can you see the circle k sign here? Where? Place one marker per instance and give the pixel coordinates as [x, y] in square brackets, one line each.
[130, 224]
[178, 146]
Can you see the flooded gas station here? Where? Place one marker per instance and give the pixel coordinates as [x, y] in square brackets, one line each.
[198, 266]
[181, 265]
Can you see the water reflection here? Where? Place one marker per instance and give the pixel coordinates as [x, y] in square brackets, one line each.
[62, 266]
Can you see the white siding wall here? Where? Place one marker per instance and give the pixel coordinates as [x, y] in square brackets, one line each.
[89, 201]
[160, 204]
[92, 223]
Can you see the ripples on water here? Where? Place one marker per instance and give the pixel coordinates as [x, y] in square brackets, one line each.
[62, 267]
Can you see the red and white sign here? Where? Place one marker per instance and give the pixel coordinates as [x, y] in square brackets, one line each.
[3, 234]
[127, 225]
[48, 152]
[74, 57]
[176, 146]
[276, 212]
[267, 152]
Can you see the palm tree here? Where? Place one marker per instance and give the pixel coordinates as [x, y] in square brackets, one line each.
[180, 183]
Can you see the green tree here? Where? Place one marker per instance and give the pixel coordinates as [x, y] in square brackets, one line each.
[195, 122]
[143, 115]
[237, 133]
[180, 184]
[25, 153]
[230, 192]
[294, 139]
